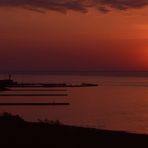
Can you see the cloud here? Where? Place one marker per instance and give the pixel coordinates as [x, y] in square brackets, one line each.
[77, 5]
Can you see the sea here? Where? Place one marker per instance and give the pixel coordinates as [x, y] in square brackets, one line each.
[117, 103]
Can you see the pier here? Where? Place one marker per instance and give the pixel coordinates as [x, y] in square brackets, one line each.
[34, 104]
[35, 95]
[9, 85]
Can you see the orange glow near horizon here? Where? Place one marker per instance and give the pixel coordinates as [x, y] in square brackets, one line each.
[79, 41]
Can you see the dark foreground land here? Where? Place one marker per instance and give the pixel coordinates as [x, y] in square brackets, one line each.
[17, 133]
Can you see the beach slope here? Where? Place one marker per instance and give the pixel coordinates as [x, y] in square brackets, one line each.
[15, 132]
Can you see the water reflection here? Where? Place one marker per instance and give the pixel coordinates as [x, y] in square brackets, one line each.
[117, 103]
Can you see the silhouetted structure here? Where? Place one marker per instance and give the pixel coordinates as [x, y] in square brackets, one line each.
[10, 83]
[7, 82]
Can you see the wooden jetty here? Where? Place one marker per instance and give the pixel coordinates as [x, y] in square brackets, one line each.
[50, 85]
[38, 90]
[34, 104]
[8, 83]
[36, 95]
[11, 85]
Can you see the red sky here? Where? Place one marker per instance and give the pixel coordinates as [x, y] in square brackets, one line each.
[31, 40]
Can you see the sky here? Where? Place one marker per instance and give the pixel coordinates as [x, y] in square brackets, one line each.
[73, 35]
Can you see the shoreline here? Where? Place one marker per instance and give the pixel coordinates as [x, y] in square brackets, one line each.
[18, 132]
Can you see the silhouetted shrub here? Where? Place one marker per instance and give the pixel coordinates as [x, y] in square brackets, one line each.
[7, 117]
[50, 122]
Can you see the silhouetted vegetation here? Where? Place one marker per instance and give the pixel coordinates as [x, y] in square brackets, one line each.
[17, 133]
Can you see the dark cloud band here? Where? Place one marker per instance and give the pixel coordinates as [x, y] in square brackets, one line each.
[77, 5]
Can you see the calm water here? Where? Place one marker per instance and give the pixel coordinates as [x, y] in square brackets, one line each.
[118, 103]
